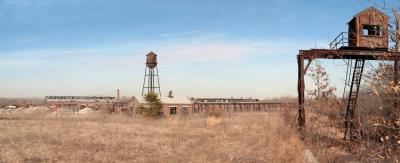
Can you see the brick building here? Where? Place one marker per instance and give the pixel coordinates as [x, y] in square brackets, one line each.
[171, 105]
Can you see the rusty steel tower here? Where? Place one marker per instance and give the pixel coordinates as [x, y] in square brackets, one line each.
[151, 82]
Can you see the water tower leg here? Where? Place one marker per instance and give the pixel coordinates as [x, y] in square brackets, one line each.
[144, 81]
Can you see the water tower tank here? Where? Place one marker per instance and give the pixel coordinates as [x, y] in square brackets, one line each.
[151, 60]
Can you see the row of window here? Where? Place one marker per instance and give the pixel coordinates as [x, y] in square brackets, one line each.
[227, 100]
[78, 98]
[172, 110]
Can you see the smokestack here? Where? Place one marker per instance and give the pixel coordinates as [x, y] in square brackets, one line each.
[117, 95]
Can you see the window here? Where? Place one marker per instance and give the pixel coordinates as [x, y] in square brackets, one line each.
[185, 110]
[372, 30]
[172, 110]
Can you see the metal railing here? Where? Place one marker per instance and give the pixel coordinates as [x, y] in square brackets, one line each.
[339, 41]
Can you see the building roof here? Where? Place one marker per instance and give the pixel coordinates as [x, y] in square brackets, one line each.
[369, 8]
[167, 100]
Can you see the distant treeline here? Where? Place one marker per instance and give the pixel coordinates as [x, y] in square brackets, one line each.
[281, 100]
[25, 102]
[21, 102]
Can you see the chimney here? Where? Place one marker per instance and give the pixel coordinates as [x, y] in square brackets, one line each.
[117, 95]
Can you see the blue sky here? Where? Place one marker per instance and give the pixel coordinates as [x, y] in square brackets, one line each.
[206, 48]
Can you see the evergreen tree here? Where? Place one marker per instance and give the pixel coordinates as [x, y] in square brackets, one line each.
[152, 108]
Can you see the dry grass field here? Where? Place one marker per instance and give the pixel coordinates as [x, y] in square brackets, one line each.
[236, 137]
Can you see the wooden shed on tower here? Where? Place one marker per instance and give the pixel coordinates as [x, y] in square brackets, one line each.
[369, 29]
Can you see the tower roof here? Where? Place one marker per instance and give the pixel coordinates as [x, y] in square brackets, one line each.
[151, 53]
[369, 9]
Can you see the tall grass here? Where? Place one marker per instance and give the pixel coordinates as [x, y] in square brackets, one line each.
[238, 137]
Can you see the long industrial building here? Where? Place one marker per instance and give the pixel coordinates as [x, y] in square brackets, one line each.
[79, 101]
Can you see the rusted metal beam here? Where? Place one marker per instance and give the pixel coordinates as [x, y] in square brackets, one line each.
[308, 65]
[366, 54]
[300, 91]
[343, 53]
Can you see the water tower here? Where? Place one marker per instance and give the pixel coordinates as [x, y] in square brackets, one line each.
[151, 82]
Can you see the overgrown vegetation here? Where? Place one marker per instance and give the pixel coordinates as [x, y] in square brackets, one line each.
[323, 132]
[152, 109]
[382, 124]
[384, 82]
[322, 97]
[377, 138]
[240, 137]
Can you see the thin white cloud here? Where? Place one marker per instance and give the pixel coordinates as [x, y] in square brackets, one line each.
[206, 52]
[193, 34]
[202, 49]
[27, 3]
[26, 39]
[227, 51]
[91, 69]
[19, 3]
[306, 10]
[18, 63]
